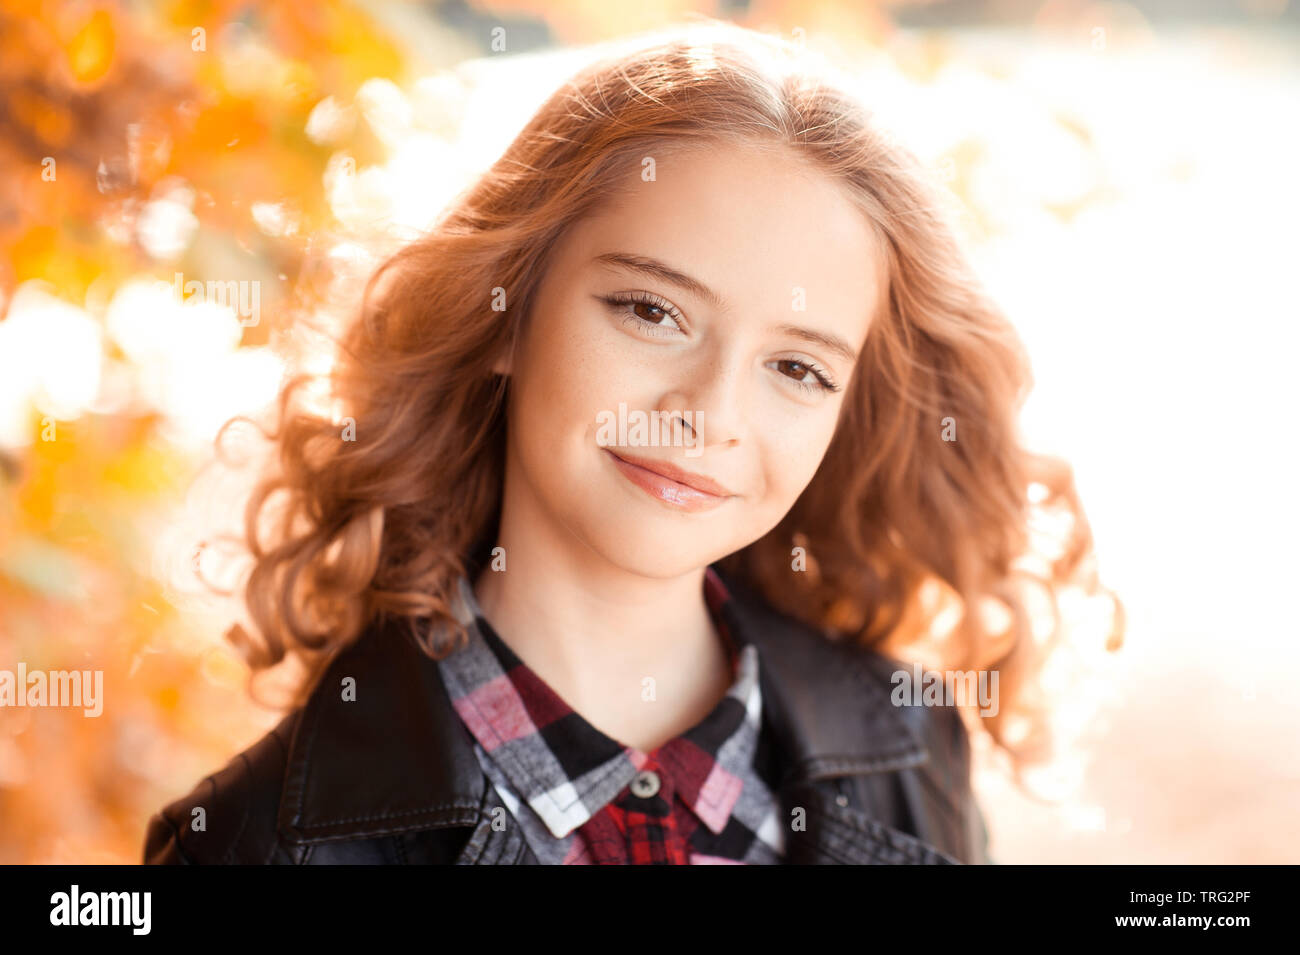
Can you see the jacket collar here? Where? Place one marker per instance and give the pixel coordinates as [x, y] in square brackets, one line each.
[829, 702]
[379, 748]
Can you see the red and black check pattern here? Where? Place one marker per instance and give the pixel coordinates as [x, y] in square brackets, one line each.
[581, 797]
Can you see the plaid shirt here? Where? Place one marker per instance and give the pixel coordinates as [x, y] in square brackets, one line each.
[581, 797]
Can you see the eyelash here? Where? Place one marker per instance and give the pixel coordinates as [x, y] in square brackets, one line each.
[824, 382]
[645, 298]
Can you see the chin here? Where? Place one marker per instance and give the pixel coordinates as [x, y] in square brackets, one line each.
[656, 547]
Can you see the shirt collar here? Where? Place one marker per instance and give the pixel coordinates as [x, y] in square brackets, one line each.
[564, 768]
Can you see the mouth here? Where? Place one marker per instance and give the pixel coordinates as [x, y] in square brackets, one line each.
[669, 484]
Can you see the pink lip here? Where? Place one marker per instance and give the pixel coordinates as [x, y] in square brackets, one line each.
[668, 484]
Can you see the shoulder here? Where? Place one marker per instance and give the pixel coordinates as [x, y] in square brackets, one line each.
[229, 817]
[314, 762]
[945, 778]
[923, 751]
[938, 726]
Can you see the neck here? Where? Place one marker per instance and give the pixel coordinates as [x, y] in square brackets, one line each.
[637, 657]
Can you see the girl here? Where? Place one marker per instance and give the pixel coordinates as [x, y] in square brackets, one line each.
[662, 438]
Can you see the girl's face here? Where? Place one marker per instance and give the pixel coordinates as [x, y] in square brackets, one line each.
[733, 292]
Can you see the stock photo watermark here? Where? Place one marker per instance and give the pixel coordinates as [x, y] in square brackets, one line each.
[74, 907]
[243, 296]
[83, 688]
[916, 687]
[650, 429]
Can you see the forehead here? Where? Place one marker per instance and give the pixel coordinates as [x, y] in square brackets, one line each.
[761, 227]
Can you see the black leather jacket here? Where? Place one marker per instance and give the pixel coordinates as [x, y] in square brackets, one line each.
[390, 776]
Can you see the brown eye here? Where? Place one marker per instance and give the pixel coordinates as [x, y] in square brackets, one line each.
[798, 372]
[799, 368]
[653, 318]
[646, 313]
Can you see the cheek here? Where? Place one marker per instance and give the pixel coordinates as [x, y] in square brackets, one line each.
[565, 377]
[792, 453]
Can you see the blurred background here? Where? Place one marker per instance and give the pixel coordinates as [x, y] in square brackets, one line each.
[1125, 178]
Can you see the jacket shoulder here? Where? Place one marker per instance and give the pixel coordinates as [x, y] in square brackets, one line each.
[230, 817]
[944, 780]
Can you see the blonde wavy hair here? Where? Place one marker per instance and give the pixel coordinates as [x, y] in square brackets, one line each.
[896, 525]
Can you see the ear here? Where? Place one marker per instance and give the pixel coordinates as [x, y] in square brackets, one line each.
[502, 366]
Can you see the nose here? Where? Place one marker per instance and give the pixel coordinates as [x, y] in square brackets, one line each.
[706, 411]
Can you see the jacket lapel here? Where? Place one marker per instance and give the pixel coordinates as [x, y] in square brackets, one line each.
[395, 759]
[831, 713]
[829, 710]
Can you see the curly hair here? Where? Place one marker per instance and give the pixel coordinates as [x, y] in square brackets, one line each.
[385, 522]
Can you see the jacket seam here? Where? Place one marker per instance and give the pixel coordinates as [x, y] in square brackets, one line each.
[480, 847]
[211, 781]
[906, 758]
[309, 838]
[313, 731]
[176, 838]
[440, 807]
[896, 841]
[243, 822]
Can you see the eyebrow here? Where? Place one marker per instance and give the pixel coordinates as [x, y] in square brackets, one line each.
[657, 269]
[833, 342]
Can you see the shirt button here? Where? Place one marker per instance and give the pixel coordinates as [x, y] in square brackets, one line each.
[646, 784]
